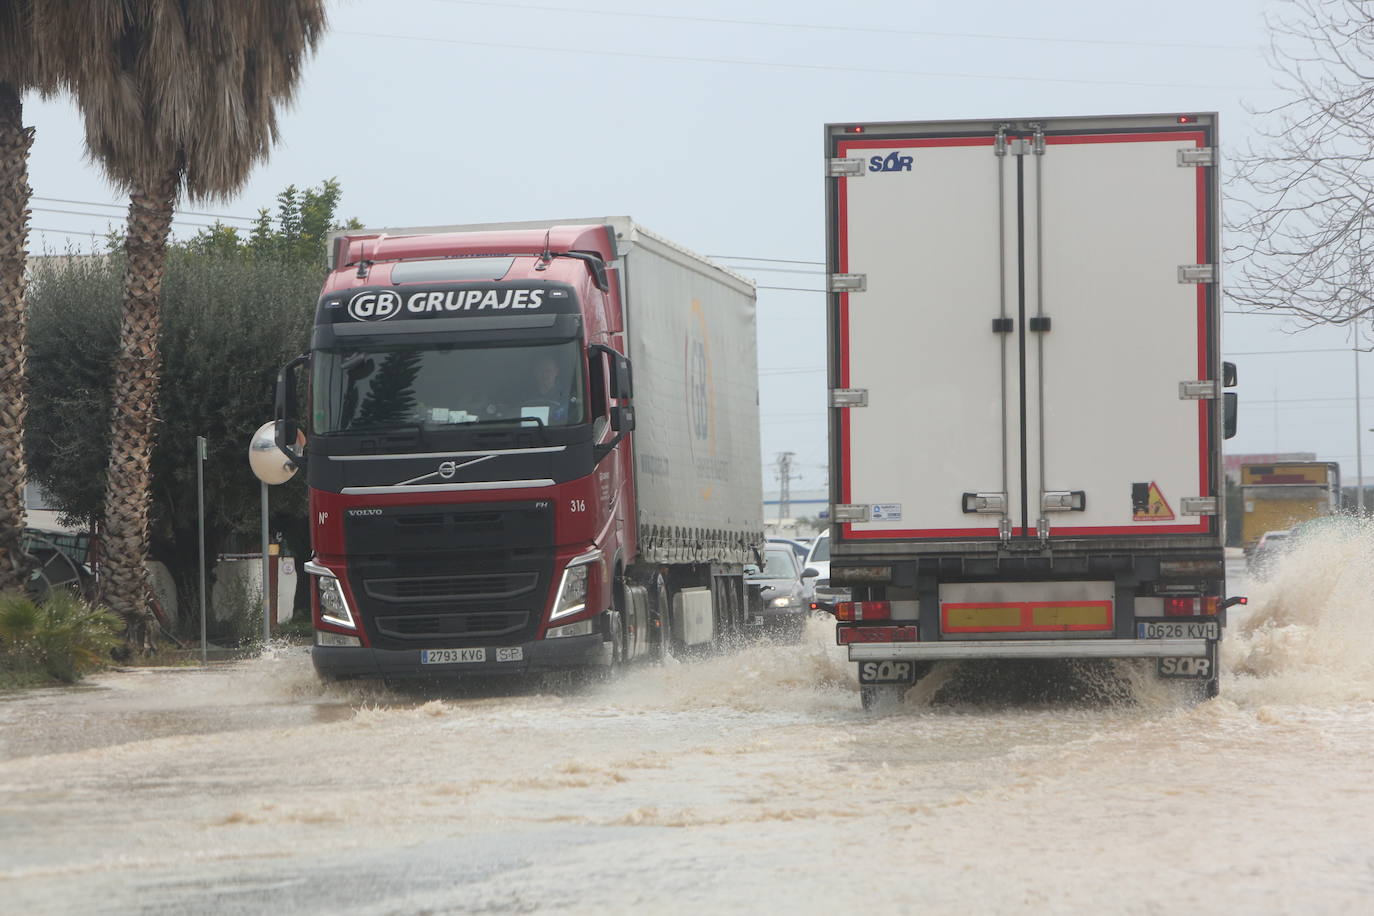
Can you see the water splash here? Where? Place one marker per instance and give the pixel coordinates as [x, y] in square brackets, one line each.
[1308, 633]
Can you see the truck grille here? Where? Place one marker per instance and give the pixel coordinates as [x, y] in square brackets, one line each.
[453, 625]
[451, 576]
[491, 586]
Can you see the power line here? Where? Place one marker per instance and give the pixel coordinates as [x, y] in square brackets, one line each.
[91, 232]
[111, 216]
[1286, 352]
[740, 257]
[1344, 400]
[96, 203]
[777, 270]
[821, 68]
[870, 30]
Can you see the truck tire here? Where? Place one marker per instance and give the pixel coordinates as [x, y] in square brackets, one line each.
[881, 698]
[663, 618]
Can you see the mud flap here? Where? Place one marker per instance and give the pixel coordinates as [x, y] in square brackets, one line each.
[1198, 667]
[896, 671]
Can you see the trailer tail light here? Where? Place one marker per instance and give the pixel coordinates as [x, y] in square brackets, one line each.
[856, 129]
[1187, 119]
[845, 636]
[1191, 607]
[863, 610]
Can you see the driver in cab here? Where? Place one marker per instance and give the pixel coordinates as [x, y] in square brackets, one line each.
[549, 389]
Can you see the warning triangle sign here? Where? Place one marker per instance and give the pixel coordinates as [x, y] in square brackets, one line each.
[1156, 508]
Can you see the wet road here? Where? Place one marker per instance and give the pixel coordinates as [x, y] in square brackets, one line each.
[736, 783]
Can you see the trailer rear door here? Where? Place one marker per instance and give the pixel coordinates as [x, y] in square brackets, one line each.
[1021, 319]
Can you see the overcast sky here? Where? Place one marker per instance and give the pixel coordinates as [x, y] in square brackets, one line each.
[702, 120]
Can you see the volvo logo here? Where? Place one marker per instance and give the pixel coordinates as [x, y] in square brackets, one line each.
[448, 469]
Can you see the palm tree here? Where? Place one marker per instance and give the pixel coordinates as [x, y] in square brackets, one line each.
[19, 72]
[178, 96]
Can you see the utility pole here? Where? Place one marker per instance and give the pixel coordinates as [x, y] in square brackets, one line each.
[201, 454]
[785, 485]
[1359, 436]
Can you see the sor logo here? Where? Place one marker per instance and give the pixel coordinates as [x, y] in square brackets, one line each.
[1185, 667]
[894, 162]
[374, 306]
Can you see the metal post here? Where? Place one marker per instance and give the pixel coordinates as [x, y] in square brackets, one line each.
[200, 512]
[266, 579]
[1359, 438]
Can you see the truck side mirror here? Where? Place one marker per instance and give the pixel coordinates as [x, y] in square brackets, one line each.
[622, 379]
[1228, 375]
[1230, 405]
[810, 572]
[621, 376]
[287, 427]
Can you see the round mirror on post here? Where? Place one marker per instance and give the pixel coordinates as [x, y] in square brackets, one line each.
[268, 462]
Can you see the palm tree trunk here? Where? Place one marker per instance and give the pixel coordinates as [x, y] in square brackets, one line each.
[128, 494]
[15, 141]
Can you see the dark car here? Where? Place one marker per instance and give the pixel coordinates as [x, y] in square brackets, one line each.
[800, 548]
[784, 601]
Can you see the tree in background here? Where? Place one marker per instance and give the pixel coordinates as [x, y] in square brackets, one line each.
[1302, 200]
[178, 97]
[20, 71]
[234, 308]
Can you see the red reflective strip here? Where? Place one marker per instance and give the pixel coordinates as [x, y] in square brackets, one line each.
[1026, 615]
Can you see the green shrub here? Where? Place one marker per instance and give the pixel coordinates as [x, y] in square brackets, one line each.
[62, 638]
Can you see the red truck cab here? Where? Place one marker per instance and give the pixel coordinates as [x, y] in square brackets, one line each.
[469, 465]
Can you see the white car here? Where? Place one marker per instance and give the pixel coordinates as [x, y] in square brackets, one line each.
[819, 559]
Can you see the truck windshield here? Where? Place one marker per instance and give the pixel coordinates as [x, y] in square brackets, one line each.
[408, 386]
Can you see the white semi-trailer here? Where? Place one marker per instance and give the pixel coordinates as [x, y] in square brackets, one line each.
[1027, 395]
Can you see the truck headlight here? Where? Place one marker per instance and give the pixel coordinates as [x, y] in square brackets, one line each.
[572, 591]
[333, 604]
[784, 602]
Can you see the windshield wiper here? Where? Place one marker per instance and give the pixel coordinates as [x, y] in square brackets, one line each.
[518, 421]
[419, 429]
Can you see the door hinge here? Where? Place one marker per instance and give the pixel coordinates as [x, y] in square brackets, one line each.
[846, 283]
[1198, 505]
[1203, 390]
[849, 397]
[1063, 501]
[1197, 156]
[844, 168]
[985, 503]
[1197, 273]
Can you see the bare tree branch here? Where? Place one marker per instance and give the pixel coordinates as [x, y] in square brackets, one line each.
[1301, 197]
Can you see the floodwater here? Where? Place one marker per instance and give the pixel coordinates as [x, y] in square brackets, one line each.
[745, 782]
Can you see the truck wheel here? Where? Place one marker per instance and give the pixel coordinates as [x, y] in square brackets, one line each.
[881, 698]
[663, 622]
[613, 647]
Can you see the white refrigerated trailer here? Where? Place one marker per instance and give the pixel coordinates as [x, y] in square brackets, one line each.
[1027, 396]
